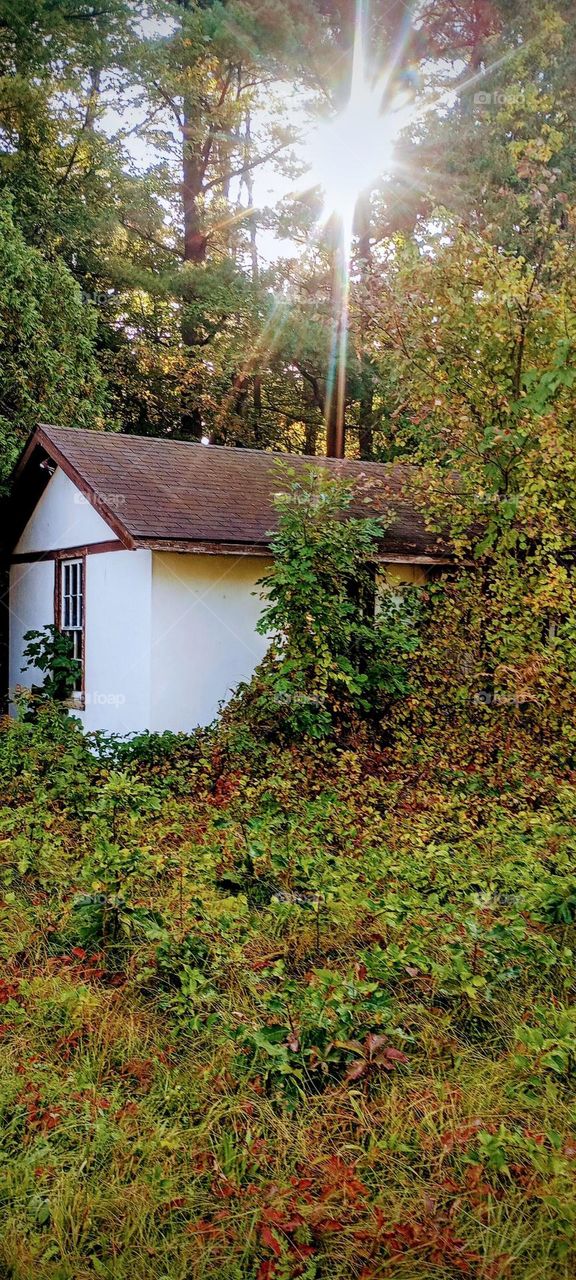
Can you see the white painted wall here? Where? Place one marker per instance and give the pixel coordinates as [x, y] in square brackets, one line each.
[118, 629]
[204, 638]
[31, 607]
[63, 518]
[118, 600]
[117, 604]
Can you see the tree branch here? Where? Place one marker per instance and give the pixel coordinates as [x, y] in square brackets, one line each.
[169, 102]
[237, 173]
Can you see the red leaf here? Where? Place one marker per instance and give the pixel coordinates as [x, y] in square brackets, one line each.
[389, 1057]
[357, 1070]
[283, 1220]
[266, 1270]
[374, 1043]
[396, 1055]
[270, 1240]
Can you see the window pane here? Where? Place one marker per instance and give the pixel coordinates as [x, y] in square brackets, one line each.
[65, 596]
[72, 591]
[72, 608]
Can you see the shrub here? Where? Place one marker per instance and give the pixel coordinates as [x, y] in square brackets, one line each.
[332, 655]
[50, 651]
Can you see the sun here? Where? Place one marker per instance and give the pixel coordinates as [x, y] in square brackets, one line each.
[351, 152]
[348, 155]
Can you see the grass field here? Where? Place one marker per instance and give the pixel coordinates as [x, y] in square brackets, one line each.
[284, 1013]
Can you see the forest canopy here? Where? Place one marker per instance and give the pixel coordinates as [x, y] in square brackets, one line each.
[155, 171]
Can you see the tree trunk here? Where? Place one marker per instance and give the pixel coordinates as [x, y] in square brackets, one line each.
[366, 401]
[254, 263]
[195, 241]
[336, 381]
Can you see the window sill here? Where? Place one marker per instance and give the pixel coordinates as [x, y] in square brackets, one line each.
[76, 703]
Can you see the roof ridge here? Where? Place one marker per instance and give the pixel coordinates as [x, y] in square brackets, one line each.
[227, 448]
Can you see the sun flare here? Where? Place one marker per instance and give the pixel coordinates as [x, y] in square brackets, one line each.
[348, 156]
[352, 151]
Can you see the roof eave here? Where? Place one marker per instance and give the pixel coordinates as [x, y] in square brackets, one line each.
[185, 546]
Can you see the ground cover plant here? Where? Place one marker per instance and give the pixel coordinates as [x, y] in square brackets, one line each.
[293, 996]
[306, 1016]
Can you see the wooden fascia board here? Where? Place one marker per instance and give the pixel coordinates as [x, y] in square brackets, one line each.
[26, 454]
[69, 553]
[183, 547]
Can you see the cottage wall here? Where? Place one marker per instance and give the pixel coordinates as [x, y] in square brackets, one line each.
[117, 608]
[63, 518]
[204, 640]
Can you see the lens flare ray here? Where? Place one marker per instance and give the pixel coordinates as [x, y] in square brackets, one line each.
[350, 154]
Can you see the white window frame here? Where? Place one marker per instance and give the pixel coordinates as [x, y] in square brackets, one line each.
[72, 589]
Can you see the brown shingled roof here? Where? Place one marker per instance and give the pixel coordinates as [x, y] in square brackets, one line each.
[182, 496]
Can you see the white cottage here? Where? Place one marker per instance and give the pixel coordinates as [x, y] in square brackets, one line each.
[147, 552]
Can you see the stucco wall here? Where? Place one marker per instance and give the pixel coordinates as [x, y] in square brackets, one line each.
[204, 639]
[393, 574]
[118, 631]
[117, 634]
[392, 577]
[117, 608]
[31, 607]
[63, 518]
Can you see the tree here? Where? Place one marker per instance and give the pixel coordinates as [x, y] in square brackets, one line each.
[507, 145]
[481, 348]
[48, 368]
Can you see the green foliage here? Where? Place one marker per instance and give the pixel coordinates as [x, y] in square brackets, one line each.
[50, 651]
[106, 914]
[332, 653]
[46, 755]
[332, 987]
[48, 368]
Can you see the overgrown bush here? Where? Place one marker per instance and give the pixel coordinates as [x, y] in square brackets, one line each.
[333, 655]
[50, 651]
[321, 1000]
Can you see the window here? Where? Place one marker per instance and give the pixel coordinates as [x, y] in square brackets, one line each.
[72, 608]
